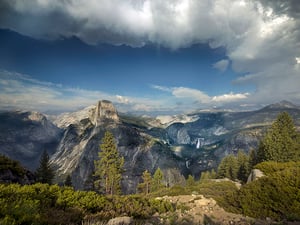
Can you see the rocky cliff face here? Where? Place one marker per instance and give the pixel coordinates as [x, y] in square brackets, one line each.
[24, 136]
[102, 112]
[79, 147]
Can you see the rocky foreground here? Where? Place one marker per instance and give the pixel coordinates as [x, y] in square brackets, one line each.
[195, 209]
[202, 210]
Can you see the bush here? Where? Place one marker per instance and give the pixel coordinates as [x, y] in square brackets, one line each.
[276, 196]
[50, 204]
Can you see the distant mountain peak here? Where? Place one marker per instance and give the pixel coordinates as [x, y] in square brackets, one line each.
[103, 111]
[282, 105]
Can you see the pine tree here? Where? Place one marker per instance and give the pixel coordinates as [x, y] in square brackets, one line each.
[243, 166]
[213, 174]
[45, 173]
[157, 180]
[109, 167]
[228, 167]
[252, 159]
[68, 181]
[281, 143]
[190, 182]
[145, 187]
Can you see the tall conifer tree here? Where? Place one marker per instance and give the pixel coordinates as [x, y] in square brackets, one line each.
[109, 167]
[45, 173]
[281, 143]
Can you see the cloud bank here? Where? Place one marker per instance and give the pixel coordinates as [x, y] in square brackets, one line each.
[261, 38]
[21, 92]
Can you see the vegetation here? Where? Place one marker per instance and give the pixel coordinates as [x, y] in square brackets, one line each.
[51, 204]
[235, 167]
[276, 196]
[108, 169]
[68, 181]
[45, 173]
[145, 186]
[12, 165]
[281, 143]
[157, 180]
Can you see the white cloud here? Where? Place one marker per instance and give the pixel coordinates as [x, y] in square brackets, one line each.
[189, 93]
[162, 88]
[231, 97]
[22, 92]
[122, 99]
[18, 91]
[194, 95]
[221, 65]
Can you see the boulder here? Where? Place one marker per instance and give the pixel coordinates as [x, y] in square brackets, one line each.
[124, 220]
[254, 175]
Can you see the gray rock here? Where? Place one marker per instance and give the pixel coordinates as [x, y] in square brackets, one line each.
[125, 220]
[254, 175]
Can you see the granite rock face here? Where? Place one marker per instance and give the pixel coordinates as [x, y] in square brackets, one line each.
[79, 147]
[25, 135]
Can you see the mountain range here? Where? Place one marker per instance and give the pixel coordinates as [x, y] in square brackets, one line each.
[178, 145]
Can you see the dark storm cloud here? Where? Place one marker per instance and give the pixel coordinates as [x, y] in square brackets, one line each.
[289, 7]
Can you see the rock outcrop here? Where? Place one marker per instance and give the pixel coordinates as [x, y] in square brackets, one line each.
[125, 220]
[105, 112]
[102, 112]
[254, 175]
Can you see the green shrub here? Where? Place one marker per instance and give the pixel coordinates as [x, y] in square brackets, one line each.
[276, 196]
[9, 164]
[270, 167]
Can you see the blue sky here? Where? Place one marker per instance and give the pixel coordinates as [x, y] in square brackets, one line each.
[148, 55]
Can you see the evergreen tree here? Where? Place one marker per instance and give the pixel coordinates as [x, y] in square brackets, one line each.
[45, 173]
[68, 181]
[213, 174]
[243, 166]
[205, 175]
[108, 169]
[157, 180]
[281, 143]
[228, 167]
[252, 159]
[190, 182]
[145, 187]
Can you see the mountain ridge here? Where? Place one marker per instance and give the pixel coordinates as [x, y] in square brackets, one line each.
[145, 145]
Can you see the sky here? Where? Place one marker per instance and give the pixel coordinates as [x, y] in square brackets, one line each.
[149, 56]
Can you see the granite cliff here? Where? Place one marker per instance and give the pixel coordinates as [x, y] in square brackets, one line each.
[79, 147]
[24, 136]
